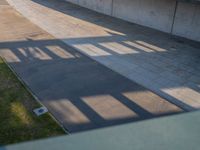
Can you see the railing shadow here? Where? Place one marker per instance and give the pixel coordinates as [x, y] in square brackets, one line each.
[83, 94]
[80, 92]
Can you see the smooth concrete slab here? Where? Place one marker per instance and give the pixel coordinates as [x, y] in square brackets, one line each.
[81, 93]
[170, 67]
[179, 132]
[103, 6]
[157, 14]
[187, 21]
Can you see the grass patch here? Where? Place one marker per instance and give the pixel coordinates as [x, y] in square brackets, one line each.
[17, 121]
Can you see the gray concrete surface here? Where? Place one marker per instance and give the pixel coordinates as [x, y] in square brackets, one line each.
[153, 59]
[102, 6]
[157, 14]
[81, 93]
[187, 21]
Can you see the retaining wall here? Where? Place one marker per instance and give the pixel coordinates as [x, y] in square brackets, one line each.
[187, 21]
[182, 19]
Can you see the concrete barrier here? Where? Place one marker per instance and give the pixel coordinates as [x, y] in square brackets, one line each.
[158, 14]
[102, 6]
[187, 21]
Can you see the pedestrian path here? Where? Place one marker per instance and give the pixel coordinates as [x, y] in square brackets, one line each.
[81, 93]
[169, 67]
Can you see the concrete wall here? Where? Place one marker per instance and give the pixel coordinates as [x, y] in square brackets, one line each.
[187, 21]
[102, 6]
[157, 14]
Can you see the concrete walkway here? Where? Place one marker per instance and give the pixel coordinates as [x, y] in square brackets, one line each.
[81, 93]
[151, 58]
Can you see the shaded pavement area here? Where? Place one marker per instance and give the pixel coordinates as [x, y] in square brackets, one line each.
[81, 93]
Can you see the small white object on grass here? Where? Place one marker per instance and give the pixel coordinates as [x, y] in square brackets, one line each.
[40, 111]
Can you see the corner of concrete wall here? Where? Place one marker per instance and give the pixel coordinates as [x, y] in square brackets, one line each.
[187, 21]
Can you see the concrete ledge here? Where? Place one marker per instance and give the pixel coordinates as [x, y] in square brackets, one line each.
[180, 132]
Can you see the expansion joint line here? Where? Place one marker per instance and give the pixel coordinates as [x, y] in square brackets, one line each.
[112, 5]
[174, 17]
